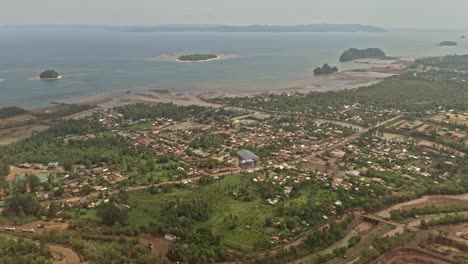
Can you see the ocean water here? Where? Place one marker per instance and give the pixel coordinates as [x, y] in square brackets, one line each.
[98, 61]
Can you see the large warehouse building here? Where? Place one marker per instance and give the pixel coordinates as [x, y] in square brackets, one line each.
[247, 157]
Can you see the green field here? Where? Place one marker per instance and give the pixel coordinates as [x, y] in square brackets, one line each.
[140, 126]
[248, 217]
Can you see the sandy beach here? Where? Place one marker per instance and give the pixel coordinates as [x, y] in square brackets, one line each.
[338, 81]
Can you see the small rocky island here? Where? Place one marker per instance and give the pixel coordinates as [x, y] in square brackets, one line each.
[326, 69]
[447, 43]
[463, 37]
[50, 75]
[354, 54]
[197, 57]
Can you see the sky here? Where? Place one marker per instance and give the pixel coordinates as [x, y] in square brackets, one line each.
[430, 14]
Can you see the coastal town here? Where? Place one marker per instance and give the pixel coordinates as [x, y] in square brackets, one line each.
[279, 154]
[234, 132]
[272, 178]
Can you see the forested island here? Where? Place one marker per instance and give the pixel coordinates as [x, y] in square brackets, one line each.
[447, 43]
[463, 37]
[354, 54]
[50, 75]
[325, 69]
[197, 57]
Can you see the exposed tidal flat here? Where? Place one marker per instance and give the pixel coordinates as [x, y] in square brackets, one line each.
[107, 64]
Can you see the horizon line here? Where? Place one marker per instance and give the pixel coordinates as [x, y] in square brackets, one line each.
[387, 28]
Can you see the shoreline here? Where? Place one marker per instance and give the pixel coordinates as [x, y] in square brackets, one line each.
[51, 79]
[350, 79]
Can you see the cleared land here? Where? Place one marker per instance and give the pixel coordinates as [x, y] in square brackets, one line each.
[411, 255]
[15, 134]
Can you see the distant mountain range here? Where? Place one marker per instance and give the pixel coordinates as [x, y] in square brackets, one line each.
[206, 28]
[258, 28]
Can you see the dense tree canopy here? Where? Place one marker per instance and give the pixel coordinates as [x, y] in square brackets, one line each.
[353, 54]
[49, 74]
[199, 246]
[11, 111]
[197, 57]
[326, 69]
[23, 204]
[22, 252]
[111, 214]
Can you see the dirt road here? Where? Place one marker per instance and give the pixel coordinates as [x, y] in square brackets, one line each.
[63, 255]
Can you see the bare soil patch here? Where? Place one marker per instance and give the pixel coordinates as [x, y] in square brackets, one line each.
[363, 228]
[411, 255]
[15, 170]
[12, 135]
[63, 255]
[460, 230]
[16, 120]
[160, 245]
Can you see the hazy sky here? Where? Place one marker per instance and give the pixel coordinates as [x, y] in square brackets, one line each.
[387, 13]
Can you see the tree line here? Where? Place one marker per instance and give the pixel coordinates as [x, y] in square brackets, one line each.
[400, 215]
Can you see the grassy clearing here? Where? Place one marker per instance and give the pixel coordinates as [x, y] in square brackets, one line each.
[146, 207]
[140, 126]
[239, 223]
[248, 217]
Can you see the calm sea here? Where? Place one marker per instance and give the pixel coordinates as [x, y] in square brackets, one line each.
[101, 61]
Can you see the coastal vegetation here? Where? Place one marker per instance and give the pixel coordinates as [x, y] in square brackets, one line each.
[325, 69]
[353, 54]
[432, 84]
[12, 111]
[166, 110]
[198, 57]
[63, 110]
[49, 74]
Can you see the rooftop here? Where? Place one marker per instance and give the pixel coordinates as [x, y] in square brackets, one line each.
[245, 154]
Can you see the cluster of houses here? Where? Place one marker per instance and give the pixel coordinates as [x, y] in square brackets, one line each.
[86, 187]
[434, 73]
[281, 143]
[387, 156]
[432, 130]
[253, 132]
